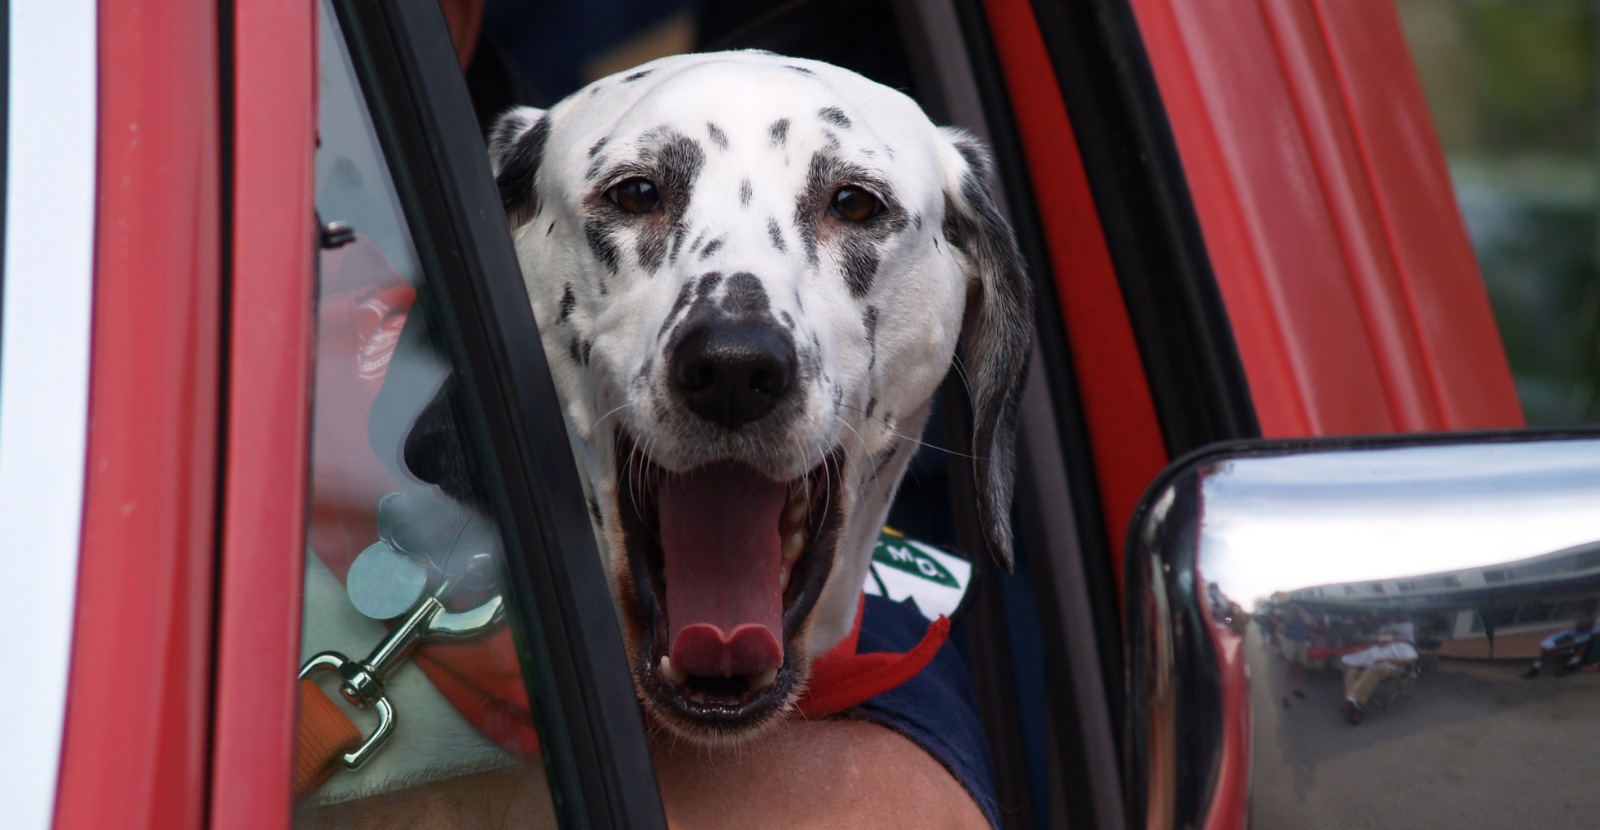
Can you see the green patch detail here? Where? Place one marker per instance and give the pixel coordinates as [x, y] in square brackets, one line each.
[892, 551]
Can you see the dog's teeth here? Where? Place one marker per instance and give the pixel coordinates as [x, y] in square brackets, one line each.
[699, 697]
[783, 579]
[793, 545]
[672, 674]
[764, 679]
[799, 503]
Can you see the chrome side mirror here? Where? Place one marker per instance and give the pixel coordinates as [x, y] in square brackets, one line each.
[1432, 600]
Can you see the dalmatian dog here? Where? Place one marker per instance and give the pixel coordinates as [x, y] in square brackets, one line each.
[751, 273]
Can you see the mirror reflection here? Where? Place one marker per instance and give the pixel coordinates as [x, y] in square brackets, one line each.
[1397, 636]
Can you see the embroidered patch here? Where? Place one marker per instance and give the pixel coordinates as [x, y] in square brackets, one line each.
[922, 576]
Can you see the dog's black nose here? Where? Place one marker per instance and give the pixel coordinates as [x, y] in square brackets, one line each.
[731, 372]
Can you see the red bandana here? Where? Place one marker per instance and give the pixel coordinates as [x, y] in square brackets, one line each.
[842, 678]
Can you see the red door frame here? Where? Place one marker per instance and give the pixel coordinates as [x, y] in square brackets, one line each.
[138, 707]
[271, 337]
[1329, 216]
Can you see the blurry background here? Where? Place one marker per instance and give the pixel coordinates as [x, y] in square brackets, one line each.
[1511, 85]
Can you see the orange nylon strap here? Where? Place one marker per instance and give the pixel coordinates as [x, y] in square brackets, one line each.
[324, 735]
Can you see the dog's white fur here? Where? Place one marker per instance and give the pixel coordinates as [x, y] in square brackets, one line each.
[760, 131]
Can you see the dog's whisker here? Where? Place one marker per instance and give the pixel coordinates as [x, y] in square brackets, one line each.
[602, 419]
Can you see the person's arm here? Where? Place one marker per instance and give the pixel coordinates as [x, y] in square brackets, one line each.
[825, 775]
[828, 775]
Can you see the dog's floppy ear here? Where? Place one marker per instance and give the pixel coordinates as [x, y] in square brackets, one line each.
[997, 334]
[516, 145]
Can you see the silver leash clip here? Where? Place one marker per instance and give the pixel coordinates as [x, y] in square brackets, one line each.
[426, 618]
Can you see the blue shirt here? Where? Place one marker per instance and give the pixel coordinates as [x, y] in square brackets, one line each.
[937, 709]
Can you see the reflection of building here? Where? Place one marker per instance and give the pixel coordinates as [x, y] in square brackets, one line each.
[1500, 610]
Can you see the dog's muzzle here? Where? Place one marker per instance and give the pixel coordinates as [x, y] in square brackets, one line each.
[727, 557]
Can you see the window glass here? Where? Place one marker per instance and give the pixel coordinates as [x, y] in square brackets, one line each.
[1511, 87]
[403, 566]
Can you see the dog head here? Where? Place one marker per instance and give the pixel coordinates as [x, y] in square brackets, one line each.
[751, 273]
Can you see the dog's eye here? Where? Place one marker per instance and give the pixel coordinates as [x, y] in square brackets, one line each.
[854, 204]
[635, 196]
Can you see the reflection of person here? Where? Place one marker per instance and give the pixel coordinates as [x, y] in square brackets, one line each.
[1365, 669]
[1296, 650]
[1567, 650]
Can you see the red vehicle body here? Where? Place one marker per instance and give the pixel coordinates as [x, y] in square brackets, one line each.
[1306, 156]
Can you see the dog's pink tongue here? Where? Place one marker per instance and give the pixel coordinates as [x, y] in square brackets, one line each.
[723, 559]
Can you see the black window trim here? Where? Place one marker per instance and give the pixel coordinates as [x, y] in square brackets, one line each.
[1180, 323]
[591, 729]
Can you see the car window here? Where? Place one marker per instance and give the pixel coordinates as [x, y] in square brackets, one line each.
[1511, 87]
[405, 608]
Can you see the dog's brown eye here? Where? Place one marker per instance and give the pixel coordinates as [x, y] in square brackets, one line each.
[635, 196]
[854, 204]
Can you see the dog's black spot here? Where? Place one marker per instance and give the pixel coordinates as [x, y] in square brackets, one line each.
[890, 151]
[775, 234]
[872, 404]
[569, 301]
[601, 235]
[788, 321]
[637, 75]
[869, 321]
[834, 116]
[594, 510]
[708, 283]
[576, 350]
[594, 149]
[644, 371]
[861, 259]
[745, 192]
[718, 137]
[651, 249]
[746, 296]
[779, 132]
[838, 398]
[881, 462]
[802, 70]
[832, 144]
[588, 346]
[695, 245]
[519, 168]
[594, 90]
[595, 166]
[680, 232]
[810, 205]
[684, 295]
[916, 221]
[936, 244]
[868, 152]
[711, 248]
[798, 306]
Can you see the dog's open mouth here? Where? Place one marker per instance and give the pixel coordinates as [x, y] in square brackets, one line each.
[726, 565]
